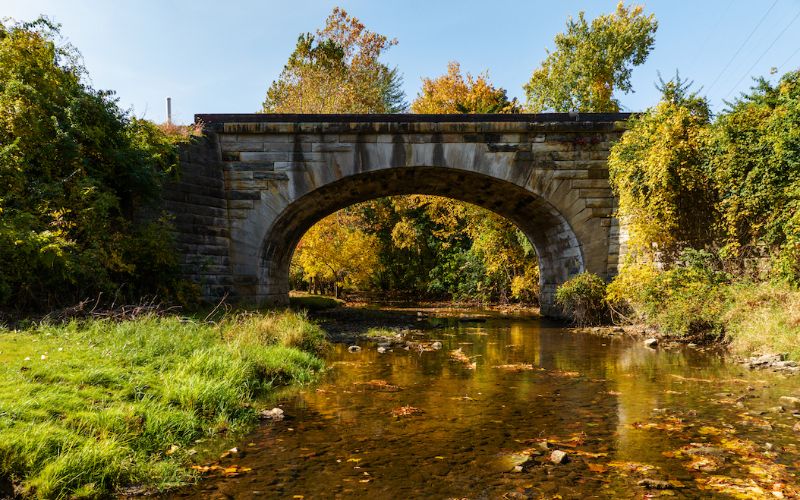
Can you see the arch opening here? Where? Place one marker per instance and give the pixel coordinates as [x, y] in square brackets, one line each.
[559, 251]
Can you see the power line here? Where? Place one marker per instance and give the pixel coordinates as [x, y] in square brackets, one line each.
[742, 46]
[748, 72]
[698, 52]
[784, 63]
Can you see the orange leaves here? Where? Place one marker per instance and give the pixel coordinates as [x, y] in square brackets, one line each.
[456, 93]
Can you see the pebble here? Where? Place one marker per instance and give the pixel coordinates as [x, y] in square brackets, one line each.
[381, 349]
[436, 345]
[791, 400]
[353, 348]
[559, 457]
[651, 342]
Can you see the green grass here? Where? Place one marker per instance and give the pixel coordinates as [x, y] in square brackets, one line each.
[88, 407]
[764, 319]
[308, 302]
[380, 332]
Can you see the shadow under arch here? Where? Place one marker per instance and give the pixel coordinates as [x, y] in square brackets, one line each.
[559, 250]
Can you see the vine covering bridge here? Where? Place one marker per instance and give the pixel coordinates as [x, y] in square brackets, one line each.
[255, 183]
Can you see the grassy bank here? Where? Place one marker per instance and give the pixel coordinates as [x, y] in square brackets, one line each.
[88, 407]
[693, 302]
[750, 318]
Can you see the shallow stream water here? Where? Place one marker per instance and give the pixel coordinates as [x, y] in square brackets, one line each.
[634, 422]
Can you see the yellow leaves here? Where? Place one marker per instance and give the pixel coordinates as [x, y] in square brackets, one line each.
[631, 467]
[226, 471]
[338, 71]
[456, 93]
[335, 249]
[599, 468]
[405, 236]
[517, 367]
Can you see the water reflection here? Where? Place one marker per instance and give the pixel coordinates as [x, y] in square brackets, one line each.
[613, 405]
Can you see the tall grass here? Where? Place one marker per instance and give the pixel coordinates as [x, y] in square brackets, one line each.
[700, 304]
[764, 318]
[87, 407]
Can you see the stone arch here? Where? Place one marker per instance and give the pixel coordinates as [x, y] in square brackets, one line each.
[558, 247]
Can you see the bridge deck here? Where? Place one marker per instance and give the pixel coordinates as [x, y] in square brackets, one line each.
[409, 118]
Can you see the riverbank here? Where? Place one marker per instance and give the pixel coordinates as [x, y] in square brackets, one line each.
[89, 407]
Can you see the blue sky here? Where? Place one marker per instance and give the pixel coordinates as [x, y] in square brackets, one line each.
[219, 57]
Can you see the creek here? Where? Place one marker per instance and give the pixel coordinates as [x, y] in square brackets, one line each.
[634, 422]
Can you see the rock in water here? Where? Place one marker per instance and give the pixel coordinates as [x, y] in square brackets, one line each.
[655, 484]
[559, 457]
[274, 414]
[651, 343]
[353, 348]
[381, 349]
[436, 345]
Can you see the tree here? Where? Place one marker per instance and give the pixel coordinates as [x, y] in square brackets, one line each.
[336, 251]
[659, 171]
[455, 93]
[591, 62]
[755, 160]
[75, 172]
[338, 70]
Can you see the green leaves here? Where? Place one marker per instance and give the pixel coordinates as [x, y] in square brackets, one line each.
[338, 70]
[591, 62]
[74, 169]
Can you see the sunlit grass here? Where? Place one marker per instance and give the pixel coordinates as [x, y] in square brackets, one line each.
[309, 302]
[764, 318]
[88, 407]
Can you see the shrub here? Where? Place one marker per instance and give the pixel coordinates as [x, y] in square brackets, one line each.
[583, 298]
[80, 182]
[687, 299]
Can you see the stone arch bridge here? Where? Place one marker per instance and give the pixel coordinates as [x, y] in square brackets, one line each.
[254, 183]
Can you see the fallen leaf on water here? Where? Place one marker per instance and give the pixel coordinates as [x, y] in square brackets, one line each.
[380, 385]
[598, 468]
[704, 463]
[738, 488]
[589, 454]
[517, 367]
[669, 424]
[712, 431]
[633, 467]
[459, 356]
[406, 411]
[235, 470]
